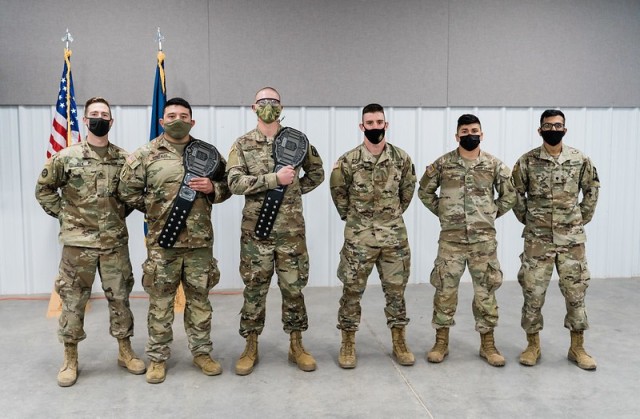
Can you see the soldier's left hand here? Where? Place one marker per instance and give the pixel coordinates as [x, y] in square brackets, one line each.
[201, 184]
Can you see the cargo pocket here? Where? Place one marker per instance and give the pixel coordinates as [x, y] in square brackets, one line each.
[437, 274]
[213, 275]
[493, 276]
[148, 273]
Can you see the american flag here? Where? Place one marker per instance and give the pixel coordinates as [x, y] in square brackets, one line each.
[65, 130]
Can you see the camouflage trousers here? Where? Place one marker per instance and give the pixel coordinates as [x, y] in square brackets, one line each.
[486, 277]
[393, 264]
[74, 281]
[538, 260]
[287, 253]
[163, 270]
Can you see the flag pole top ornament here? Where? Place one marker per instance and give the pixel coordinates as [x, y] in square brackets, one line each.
[159, 39]
[66, 39]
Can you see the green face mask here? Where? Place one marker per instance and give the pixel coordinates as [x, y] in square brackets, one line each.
[177, 129]
[268, 113]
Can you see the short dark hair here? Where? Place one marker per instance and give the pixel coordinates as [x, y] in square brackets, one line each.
[96, 99]
[468, 119]
[179, 102]
[372, 108]
[551, 112]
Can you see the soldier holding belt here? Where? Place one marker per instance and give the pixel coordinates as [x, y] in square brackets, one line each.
[157, 179]
[372, 186]
[548, 181]
[78, 186]
[467, 207]
[251, 173]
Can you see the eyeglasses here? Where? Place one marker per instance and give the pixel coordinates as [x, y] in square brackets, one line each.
[547, 126]
[268, 101]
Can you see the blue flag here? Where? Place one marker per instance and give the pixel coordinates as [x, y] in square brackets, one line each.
[157, 108]
[159, 99]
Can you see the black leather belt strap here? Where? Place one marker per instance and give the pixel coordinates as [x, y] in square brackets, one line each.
[200, 160]
[289, 149]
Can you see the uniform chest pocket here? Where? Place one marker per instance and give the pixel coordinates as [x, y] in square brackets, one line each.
[259, 160]
[483, 178]
[82, 179]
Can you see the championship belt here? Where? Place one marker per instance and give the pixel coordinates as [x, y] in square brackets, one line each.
[200, 160]
[289, 149]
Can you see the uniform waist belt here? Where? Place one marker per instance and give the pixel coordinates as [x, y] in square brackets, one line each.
[289, 149]
[200, 160]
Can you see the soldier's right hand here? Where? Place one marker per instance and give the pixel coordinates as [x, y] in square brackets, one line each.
[286, 175]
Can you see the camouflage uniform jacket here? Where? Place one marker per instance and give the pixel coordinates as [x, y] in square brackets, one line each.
[79, 188]
[250, 173]
[548, 193]
[150, 181]
[467, 206]
[372, 195]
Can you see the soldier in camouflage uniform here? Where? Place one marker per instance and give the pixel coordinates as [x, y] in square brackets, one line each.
[150, 181]
[548, 181]
[372, 186]
[467, 207]
[251, 173]
[78, 187]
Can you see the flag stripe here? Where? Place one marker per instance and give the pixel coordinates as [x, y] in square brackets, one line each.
[66, 114]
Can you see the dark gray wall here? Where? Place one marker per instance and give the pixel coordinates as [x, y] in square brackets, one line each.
[329, 53]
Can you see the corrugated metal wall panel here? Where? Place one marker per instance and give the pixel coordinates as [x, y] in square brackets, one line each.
[29, 251]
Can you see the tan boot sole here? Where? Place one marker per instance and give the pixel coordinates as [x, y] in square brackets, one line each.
[306, 368]
[134, 372]
[437, 361]
[247, 371]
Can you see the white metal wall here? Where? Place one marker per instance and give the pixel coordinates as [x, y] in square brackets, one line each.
[29, 251]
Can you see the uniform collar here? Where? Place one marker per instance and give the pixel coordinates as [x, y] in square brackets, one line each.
[88, 153]
[562, 157]
[369, 157]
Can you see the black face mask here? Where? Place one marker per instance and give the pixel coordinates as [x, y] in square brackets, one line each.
[375, 136]
[552, 138]
[470, 142]
[99, 127]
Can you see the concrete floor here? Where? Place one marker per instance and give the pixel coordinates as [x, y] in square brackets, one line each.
[464, 386]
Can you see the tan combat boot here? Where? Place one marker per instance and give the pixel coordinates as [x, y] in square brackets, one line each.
[298, 355]
[249, 357]
[157, 372]
[441, 348]
[488, 350]
[347, 357]
[208, 365]
[128, 359]
[577, 353]
[68, 373]
[401, 351]
[531, 354]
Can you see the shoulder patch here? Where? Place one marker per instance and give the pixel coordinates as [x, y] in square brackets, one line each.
[314, 152]
[44, 173]
[430, 170]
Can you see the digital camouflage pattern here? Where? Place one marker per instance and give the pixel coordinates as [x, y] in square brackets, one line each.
[288, 253]
[467, 206]
[538, 260]
[548, 195]
[150, 181]
[79, 188]
[371, 194]
[549, 205]
[482, 260]
[250, 173]
[163, 271]
[75, 280]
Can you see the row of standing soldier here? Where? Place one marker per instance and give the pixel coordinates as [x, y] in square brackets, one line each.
[92, 186]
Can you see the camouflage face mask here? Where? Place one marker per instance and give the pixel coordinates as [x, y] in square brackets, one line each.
[268, 113]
